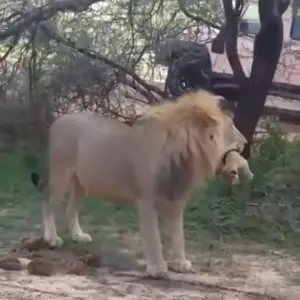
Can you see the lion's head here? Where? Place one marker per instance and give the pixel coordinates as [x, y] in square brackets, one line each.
[197, 134]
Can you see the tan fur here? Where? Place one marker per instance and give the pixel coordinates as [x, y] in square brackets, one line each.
[234, 167]
[156, 164]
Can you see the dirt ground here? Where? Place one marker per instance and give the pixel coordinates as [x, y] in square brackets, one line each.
[224, 271]
[247, 272]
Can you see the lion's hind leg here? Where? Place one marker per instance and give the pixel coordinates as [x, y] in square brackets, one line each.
[76, 194]
[49, 215]
[56, 192]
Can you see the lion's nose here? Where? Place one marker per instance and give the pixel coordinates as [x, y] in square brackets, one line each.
[233, 172]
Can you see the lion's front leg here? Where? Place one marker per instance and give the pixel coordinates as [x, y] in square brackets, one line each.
[156, 265]
[174, 241]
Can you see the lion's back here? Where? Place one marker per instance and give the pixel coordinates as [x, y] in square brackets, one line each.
[96, 148]
[69, 130]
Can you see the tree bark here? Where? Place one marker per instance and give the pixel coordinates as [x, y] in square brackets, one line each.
[232, 16]
[267, 49]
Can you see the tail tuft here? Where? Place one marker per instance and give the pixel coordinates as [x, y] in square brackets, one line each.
[35, 179]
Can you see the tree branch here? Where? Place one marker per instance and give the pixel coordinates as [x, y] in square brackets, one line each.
[232, 20]
[283, 6]
[266, 53]
[196, 18]
[10, 48]
[93, 55]
[43, 13]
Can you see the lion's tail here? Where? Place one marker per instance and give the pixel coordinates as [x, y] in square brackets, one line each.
[35, 179]
[38, 181]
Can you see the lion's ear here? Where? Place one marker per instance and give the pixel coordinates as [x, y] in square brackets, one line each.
[219, 98]
[205, 119]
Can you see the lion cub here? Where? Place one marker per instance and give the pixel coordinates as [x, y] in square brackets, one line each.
[233, 166]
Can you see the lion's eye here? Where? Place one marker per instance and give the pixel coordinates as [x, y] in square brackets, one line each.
[211, 136]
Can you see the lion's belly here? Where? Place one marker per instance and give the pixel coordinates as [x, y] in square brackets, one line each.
[112, 192]
[109, 176]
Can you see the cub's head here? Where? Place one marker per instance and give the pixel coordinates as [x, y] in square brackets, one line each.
[233, 166]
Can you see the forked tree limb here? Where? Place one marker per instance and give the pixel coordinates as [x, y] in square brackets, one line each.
[267, 49]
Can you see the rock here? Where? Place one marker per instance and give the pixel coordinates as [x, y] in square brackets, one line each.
[41, 267]
[76, 267]
[10, 263]
[33, 255]
[91, 259]
[34, 243]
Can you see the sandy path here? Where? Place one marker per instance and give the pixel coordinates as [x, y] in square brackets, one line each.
[20, 286]
[263, 282]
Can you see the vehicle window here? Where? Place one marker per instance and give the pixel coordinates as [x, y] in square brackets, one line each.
[295, 30]
[250, 23]
[295, 26]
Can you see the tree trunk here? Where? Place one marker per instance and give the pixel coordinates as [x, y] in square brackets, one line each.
[267, 49]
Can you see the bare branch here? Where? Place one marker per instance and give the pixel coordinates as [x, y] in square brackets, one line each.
[93, 55]
[44, 13]
[10, 48]
[196, 18]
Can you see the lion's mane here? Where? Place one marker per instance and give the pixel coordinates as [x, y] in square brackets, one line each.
[184, 152]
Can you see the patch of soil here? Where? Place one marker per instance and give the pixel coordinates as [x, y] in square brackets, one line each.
[77, 272]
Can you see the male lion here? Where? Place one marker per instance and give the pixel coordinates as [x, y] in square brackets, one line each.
[156, 164]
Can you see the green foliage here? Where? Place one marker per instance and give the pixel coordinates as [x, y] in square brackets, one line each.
[266, 210]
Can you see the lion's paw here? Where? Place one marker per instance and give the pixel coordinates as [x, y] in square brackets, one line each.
[54, 241]
[158, 272]
[81, 238]
[181, 266]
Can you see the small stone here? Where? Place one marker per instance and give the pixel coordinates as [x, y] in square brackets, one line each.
[76, 267]
[34, 243]
[41, 267]
[91, 259]
[10, 263]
